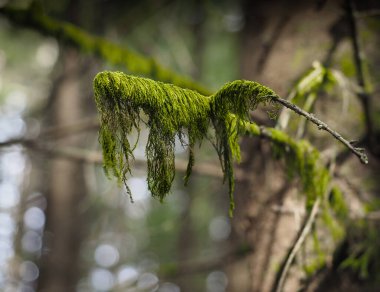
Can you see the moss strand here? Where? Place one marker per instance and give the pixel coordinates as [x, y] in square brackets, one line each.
[172, 111]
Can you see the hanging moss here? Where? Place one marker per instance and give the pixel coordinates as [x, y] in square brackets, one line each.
[230, 107]
[171, 111]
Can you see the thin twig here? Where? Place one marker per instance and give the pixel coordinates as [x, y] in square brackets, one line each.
[279, 284]
[15, 141]
[359, 152]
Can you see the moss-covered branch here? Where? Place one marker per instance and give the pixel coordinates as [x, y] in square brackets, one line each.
[123, 101]
[301, 158]
[170, 111]
[34, 18]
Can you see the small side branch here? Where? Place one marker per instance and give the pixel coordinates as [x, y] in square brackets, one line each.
[280, 281]
[359, 152]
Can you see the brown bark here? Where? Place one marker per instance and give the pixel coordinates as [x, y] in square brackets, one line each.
[60, 268]
[276, 34]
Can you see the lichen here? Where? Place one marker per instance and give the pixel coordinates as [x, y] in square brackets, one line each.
[172, 111]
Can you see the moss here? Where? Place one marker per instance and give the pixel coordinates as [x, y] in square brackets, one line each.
[33, 17]
[347, 65]
[364, 255]
[172, 111]
[338, 204]
[230, 107]
[301, 159]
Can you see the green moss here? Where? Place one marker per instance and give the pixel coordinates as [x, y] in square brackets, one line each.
[338, 204]
[172, 111]
[364, 255]
[301, 159]
[347, 65]
[230, 107]
[34, 17]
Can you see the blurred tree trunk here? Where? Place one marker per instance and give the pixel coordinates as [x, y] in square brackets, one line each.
[268, 51]
[187, 235]
[60, 267]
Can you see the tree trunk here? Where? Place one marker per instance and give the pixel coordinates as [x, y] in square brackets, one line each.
[270, 46]
[60, 269]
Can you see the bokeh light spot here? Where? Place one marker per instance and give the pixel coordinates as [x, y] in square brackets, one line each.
[127, 275]
[29, 271]
[9, 195]
[147, 281]
[219, 228]
[102, 279]
[31, 241]
[216, 281]
[106, 255]
[34, 218]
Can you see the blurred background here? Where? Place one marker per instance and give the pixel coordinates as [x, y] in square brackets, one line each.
[64, 226]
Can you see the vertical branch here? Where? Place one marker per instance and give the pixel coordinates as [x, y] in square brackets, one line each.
[363, 95]
[281, 276]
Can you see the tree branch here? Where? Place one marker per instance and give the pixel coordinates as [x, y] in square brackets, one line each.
[55, 132]
[95, 157]
[137, 63]
[33, 17]
[359, 152]
[280, 281]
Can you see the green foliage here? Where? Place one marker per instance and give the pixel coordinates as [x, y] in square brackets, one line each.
[364, 254]
[338, 204]
[122, 99]
[319, 260]
[314, 80]
[309, 86]
[363, 237]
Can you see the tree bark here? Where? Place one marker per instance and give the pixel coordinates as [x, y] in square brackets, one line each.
[60, 268]
[270, 42]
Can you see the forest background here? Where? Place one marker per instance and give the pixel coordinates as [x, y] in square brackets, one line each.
[64, 226]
